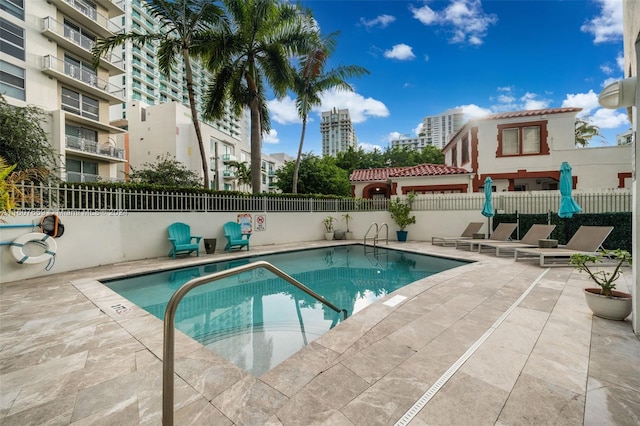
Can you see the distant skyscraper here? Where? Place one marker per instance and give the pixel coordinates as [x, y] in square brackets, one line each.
[145, 83]
[437, 129]
[337, 132]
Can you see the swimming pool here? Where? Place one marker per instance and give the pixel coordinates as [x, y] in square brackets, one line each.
[256, 320]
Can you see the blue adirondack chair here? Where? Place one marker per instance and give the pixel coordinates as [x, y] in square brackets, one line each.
[235, 237]
[182, 240]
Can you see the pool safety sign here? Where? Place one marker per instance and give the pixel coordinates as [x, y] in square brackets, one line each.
[245, 223]
[261, 222]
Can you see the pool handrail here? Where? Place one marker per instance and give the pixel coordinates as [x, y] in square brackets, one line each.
[376, 236]
[168, 353]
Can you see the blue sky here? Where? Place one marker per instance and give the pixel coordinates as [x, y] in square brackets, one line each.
[484, 56]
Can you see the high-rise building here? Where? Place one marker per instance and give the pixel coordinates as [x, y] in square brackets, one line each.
[438, 129]
[145, 83]
[45, 61]
[337, 132]
[417, 143]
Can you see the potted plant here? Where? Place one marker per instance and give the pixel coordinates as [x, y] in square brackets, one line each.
[401, 214]
[328, 226]
[348, 234]
[605, 301]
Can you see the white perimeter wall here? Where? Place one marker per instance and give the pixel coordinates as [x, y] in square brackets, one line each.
[97, 238]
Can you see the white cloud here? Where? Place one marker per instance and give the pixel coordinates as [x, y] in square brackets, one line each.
[283, 110]
[369, 147]
[601, 117]
[464, 18]
[606, 69]
[271, 137]
[360, 108]
[608, 25]
[506, 99]
[609, 118]
[425, 14]
[381, 21]
[473, 111]
[531, 101]
[417, 129]
[620, 61]
[401, 52]
[394, 135]
[587, 101]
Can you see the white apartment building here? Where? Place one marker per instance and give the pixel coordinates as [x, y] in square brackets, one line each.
[145, 83]
[437, 130]
[416, 144]
[625, 138]
[167, 128]
[337, 132]
[45, 61]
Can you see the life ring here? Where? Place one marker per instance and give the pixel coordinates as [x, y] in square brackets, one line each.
[17, 247]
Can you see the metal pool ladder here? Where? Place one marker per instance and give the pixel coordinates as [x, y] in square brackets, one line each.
[377, 234]
[168, 353]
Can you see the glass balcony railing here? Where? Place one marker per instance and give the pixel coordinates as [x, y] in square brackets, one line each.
[90, 12]
[82, 75]
[72, 35]
[93, 147]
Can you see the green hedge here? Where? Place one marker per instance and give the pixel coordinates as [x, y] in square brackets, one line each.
[620, 237]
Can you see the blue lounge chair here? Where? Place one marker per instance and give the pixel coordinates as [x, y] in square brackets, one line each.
[182, 240]
[235, 237]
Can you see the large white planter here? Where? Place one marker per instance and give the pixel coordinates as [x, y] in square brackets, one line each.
[328, 236]
[616, 307]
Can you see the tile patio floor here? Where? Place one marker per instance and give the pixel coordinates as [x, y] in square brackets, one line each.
[532, 354]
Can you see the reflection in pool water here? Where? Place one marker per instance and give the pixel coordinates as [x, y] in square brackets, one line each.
[256, 319]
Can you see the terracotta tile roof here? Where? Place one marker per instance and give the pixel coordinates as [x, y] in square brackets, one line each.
[382, 174]
[529, 113]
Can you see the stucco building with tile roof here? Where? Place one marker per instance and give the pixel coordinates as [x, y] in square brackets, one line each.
[523, 151]
[423, 178]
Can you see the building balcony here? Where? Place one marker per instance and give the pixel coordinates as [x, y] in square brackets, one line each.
[79, 44]
[228, 174]
[87, 177]
[80, 79]
[94, 149]
[88, 16]
[228, 157]
[114, 7]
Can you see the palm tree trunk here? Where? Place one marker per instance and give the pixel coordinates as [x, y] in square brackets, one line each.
[194, 116]
[296, 169]
[256, 147]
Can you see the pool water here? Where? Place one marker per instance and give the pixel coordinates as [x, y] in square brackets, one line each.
[256, 320]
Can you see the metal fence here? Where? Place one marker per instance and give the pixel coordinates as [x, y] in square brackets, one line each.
[68, 197]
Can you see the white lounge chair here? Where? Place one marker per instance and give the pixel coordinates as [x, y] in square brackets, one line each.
[502, 233]
[530, 239]
[471, 229]
[586, 240]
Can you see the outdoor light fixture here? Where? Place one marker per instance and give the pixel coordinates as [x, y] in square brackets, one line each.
[619, 94]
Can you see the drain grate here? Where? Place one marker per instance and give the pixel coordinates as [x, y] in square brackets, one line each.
[424, 399]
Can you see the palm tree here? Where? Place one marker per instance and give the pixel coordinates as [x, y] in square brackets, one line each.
[243, 172]
[309, 82]
[11, 193]
[263, 36]
[184, 24]
[585, 131]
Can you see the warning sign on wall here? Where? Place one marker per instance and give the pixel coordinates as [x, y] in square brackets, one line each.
[261, 222]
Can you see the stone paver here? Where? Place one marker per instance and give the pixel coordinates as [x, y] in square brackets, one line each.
[70, 355]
